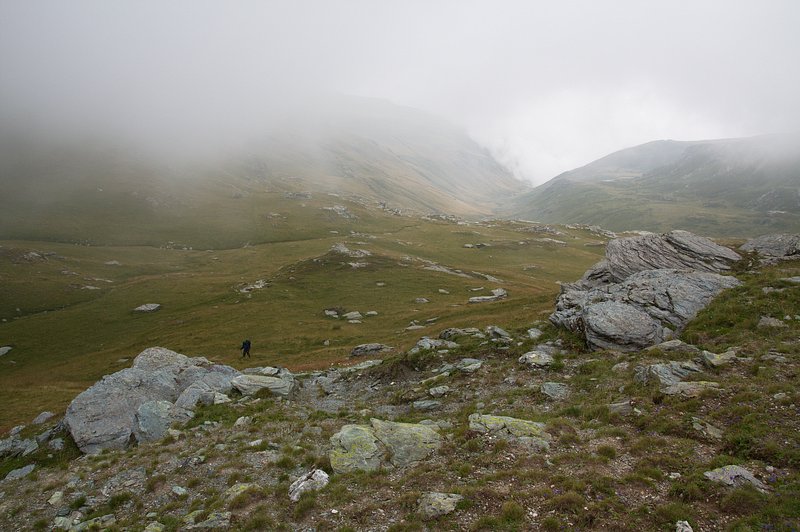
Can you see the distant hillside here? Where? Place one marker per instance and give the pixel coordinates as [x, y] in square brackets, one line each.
[364, 150]
[716, 187]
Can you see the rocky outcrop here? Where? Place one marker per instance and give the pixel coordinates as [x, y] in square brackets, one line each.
[637, 297]
[774, 247]
[678, 250]
[107, 415]
[382, 443]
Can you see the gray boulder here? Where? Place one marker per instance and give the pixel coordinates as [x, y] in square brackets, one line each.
[355, 448]
[373, 349]
[555, 390]
[43, 417]
[666, 374]
[647, 288]
[426, 343]
[776, 246]
[105, 415]
[734, 475]
[639, 312]
[678, 250]
[22, 472]
[5, 349]
[13, 447]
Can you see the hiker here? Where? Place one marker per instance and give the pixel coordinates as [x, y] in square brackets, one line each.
[245, 349]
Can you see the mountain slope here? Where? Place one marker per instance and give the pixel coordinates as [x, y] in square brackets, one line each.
[718, 187]
[364, 150]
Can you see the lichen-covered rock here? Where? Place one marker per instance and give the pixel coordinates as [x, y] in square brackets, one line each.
[355, 448]
[408, 443]
[366, 448]
[530, 433]
[434, 504]
[536, 359]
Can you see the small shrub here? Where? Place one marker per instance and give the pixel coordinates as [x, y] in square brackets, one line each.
[607, 451]
[307, 502]
[512, 512]
[567, 502]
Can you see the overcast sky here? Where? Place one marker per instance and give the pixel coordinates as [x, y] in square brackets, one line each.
[547, 86]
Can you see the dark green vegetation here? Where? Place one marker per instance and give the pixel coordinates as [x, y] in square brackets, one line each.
[735, 187]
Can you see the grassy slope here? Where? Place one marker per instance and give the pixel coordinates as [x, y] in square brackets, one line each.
[66, 337]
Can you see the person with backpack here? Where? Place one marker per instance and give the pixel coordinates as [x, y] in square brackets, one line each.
[245, 349]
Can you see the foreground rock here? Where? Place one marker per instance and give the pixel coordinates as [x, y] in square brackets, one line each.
[645, 290]
[108, 416]
[382, 443]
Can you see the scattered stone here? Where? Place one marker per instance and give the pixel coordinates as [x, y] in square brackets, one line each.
[154, 526]
[331, 313]
[497, 294]
[215, 521]
[683, 526]
[771, 290]
[690, 389]
[426, 405]
[354, 315]
[422, 300]
[675, 346]
[439, 391]
[371, 313]
[148, 307]
[534, 333]
[620, 367]
[555, 390]
[311, 481]
[795, 280]
[529, 433]
[426, 343]
[341, 249]
[5, 349]
[56, 498]
[22, 472]
[98, 523]
[113, 263]
[179, 491]
[734, 475]
[41, 418]
[767, 321]
[536, 359]
[242, 421]
[433, 504]
[56, 444]
[443, 291]
[373, 349]
[713, 360]
[468, 365]
[666, 373]
[623, 408]
[706, 429]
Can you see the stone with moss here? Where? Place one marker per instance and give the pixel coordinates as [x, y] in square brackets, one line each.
[434, 504]
[529, 433]
[408, 443]
[355, 448]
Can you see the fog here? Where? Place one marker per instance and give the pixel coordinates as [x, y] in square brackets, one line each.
[546, 86]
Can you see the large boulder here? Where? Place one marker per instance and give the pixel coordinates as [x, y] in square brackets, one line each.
[779, 246]
[105, 415]
[679, 250]
[645, 309]
[382, 443]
